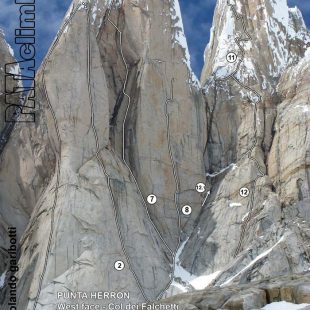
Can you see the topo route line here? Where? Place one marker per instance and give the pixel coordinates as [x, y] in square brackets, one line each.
[177, 181]
[100, 161]
[58, 154]
[248, 153]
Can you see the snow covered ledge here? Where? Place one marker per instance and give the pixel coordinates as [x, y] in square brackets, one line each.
[283, 305]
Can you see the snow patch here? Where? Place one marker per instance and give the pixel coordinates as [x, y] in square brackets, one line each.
[179, 271]
[198, 283]
[283, 305]
[234, 204]
[15, 70]
[281, 11]
[239, 7]
[202, 282]
[11, 50]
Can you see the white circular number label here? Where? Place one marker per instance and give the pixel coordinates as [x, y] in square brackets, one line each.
[244, 192]
[119, 265]
[151, 199]
[187, 210]
[200, 187]
[231, 57]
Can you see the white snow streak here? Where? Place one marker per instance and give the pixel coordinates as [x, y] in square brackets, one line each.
[198, 283]
[234, 204]
[253, 262]
[231, 166]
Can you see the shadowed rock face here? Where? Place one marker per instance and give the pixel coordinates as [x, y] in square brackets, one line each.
[258, 122]
[120, 116]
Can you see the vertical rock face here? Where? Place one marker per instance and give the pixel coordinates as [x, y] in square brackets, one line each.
[120, 117]
[8, 216]
[121, 120]
[257, 138]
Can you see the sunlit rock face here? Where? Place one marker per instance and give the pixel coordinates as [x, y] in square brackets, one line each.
[120, 116]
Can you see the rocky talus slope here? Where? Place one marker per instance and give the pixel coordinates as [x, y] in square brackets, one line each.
[120, 116]
[286, 289]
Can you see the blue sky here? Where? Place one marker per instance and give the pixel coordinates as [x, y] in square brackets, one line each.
[197, 18]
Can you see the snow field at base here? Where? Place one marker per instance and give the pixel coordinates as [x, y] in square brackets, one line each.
[197, 283]
[283, 305]
[179, 271]
[202, 282]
